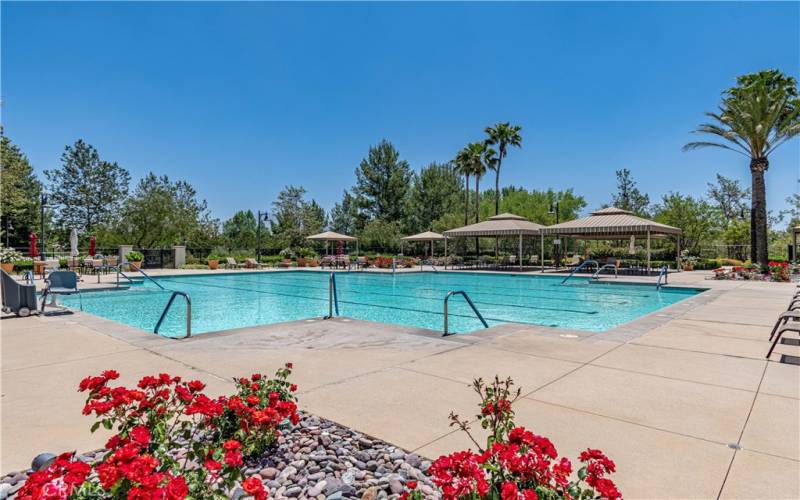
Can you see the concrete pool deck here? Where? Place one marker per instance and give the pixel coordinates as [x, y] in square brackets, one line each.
[683, 399]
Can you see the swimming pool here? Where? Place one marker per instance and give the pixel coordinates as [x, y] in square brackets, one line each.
[234, 300]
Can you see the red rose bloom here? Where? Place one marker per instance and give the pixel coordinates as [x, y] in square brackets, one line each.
[140, 435]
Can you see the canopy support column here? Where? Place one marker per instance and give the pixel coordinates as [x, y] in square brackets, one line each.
[541, 257]
[520, 251]
[648, 251]
[445, 254]
[678, 256]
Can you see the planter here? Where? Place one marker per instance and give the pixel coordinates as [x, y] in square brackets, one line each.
[137, 263]
[688, 267]
[213, 264]
[7, 267]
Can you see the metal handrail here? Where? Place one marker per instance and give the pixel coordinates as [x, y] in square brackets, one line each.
[662, 274]
[469, 301]
[333, 297]
[596, 275]
[581, 266]
[188, 312]
[423, 263]
[131, 264]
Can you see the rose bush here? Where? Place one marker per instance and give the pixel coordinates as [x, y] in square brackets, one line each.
[171, 441]
[515, 463]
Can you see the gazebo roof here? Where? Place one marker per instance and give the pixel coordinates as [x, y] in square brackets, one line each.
[611, 222]
[498, 225]
[331, 236]
[426, 236]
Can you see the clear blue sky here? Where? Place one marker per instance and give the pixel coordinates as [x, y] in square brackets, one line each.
[243, 98]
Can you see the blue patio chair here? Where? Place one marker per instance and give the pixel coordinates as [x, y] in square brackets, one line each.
[62, 283]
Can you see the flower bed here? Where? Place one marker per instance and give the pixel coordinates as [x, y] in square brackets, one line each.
[775, 271]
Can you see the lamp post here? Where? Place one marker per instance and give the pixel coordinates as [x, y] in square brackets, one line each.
[262, 216]
[9, 228]
[554, 206]
[43, 206]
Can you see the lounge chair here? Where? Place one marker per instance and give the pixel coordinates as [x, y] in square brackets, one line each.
[230, 263]
[285, 263]
[327, 261]
[18, 298]
[252, 264]
[61, 283]
[361, 263]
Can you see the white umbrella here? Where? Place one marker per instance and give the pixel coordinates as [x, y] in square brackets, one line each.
[73, 242]
[632, 246]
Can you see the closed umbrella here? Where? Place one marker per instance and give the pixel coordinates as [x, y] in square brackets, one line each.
[92, 245]
[33, 250]
[73, 243]
[632, 246]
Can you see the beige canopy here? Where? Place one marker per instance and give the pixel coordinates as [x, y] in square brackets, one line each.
[331, 236]
[499, 226]
[614, 224]
[426, 236]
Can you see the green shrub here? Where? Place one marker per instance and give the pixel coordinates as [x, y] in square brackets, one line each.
[134, 256]
[194, 266]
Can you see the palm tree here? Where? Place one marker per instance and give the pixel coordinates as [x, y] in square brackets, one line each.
[502, 135]
[755, 117]
[464, 166]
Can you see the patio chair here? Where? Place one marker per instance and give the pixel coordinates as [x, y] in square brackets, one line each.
[326, 261]
[18, 298]
[252, 264]
[61, 283]
[230, 263]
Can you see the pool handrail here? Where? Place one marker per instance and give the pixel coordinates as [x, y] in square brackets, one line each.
[581, 266]
[471, 304]
[596, 275]
[188, 312]
[136, 268]
[662, 274]
[333, 297]
[423, 263]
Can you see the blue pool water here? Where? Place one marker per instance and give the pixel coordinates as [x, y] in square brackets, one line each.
[231, 300]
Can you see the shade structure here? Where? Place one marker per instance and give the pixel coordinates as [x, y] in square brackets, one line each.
[613, 223]
[426, 236]
[331, 236]
[498, 225]
[503, 225]
[73, 243]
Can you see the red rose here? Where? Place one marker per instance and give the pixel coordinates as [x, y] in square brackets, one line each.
[290, 365]
[177, 489]
[140, 435]
[256, 377]
[293, 387]
[411, 485]
[253, 486]
[233, 458]
[196, 385]
[509, 491]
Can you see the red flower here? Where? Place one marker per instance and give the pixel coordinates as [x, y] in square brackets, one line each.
[253, 486]
[256, 377]
[411, 485]
[177, 489]
[212, 465]
[509, 491]
[253, 400]
[196, 385]
[140, 435]
[290, 365]
[293, 387]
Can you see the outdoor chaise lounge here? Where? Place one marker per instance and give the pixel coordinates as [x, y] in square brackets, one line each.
[251, 264]
[788, 321]
[230, 263]
[61, 283]
[18, 298]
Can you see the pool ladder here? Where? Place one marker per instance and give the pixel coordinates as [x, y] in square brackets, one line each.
[188, 313]
[596, 275]
[581, 266]
[333, 297]
[662, 274]
[471, 304]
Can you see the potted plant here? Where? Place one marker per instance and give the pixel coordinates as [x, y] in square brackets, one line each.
[213, 261]
[7, 258]
[688, 261]
[135, 258]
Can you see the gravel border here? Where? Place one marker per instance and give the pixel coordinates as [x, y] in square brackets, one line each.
[318, 459]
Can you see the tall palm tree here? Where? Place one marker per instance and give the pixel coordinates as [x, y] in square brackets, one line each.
[464, 167]
[755, 117]
[503, 135]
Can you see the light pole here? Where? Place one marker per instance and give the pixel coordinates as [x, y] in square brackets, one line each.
[44, 205]
[554, 206]
[262, 216]
[9, 228]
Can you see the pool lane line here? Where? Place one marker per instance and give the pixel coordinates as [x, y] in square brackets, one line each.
[391, 307]
[518, 306]
[349, 287]
[601, 288]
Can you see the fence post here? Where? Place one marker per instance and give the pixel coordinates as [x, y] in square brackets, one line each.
[178, 256]
[123, 251]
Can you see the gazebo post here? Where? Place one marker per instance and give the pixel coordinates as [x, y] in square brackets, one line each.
[648, 252]
[520, 251]
[541, 257]
[445, 254]
[678, 256]
[356, 248]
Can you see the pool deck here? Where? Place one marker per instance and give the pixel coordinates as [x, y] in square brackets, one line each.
[682, 399]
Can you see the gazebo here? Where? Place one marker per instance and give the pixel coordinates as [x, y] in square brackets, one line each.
[428, 236]
[614, 224]
[504, 225]
[332, 236]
